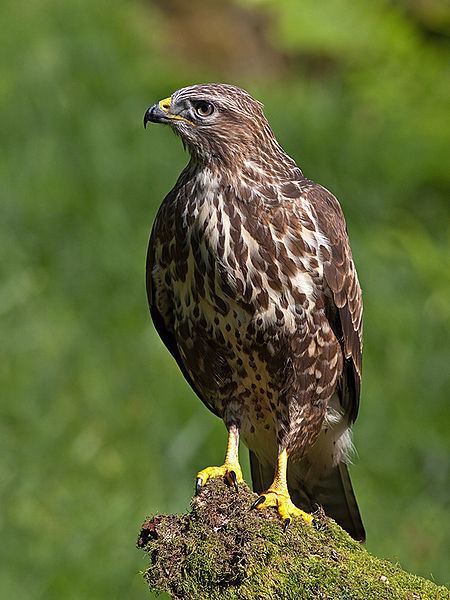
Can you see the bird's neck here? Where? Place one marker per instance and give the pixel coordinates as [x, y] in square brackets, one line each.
[252, 166]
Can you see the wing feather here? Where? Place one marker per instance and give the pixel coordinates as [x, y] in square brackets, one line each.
[343, 289]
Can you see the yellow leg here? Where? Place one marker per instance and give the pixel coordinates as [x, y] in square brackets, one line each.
[278, 495]
[230, 469]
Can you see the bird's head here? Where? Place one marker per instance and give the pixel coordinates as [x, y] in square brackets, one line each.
[216, 122]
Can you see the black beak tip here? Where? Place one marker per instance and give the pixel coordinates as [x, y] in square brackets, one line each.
[147, 116]
[154, 114]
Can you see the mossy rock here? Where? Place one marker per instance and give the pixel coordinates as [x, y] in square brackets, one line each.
[222, 549]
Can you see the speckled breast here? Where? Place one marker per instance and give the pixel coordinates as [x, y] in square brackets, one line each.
[217, 318]
[237, 298]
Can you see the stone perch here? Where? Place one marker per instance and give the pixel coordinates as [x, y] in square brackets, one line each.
[222, 549]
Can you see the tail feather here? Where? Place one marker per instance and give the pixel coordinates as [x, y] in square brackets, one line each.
[262, 474]
[334, 492]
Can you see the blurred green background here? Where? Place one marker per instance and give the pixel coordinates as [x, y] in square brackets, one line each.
[98, 428]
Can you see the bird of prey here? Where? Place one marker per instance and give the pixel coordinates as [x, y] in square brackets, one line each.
[253, 289]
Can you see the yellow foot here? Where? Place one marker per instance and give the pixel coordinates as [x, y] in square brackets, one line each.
[230, 471]
[284, 505]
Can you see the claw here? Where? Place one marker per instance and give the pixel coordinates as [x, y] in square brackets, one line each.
[233, 478]
[230, 472]
[282, 502]
[257, 502]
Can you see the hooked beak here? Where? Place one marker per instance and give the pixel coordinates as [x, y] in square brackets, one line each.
[159, 113]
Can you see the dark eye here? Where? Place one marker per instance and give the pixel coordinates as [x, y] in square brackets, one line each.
[203, 108]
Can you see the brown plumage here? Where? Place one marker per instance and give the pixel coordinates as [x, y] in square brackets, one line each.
[253, 289]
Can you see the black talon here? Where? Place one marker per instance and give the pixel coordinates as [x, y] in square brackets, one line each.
[286, 524]
[316, 524]
[257, 502]
[198, 486]
[233, 478]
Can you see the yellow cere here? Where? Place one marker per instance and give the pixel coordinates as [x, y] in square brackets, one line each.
[164, 105]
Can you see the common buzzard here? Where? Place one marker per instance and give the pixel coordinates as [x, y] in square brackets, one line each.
[252, 288]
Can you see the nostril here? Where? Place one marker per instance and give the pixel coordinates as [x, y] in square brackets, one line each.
[165, 104]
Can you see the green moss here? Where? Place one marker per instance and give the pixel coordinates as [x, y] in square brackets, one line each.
[222, 549]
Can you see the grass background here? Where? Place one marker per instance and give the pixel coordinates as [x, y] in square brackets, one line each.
[98, 428]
